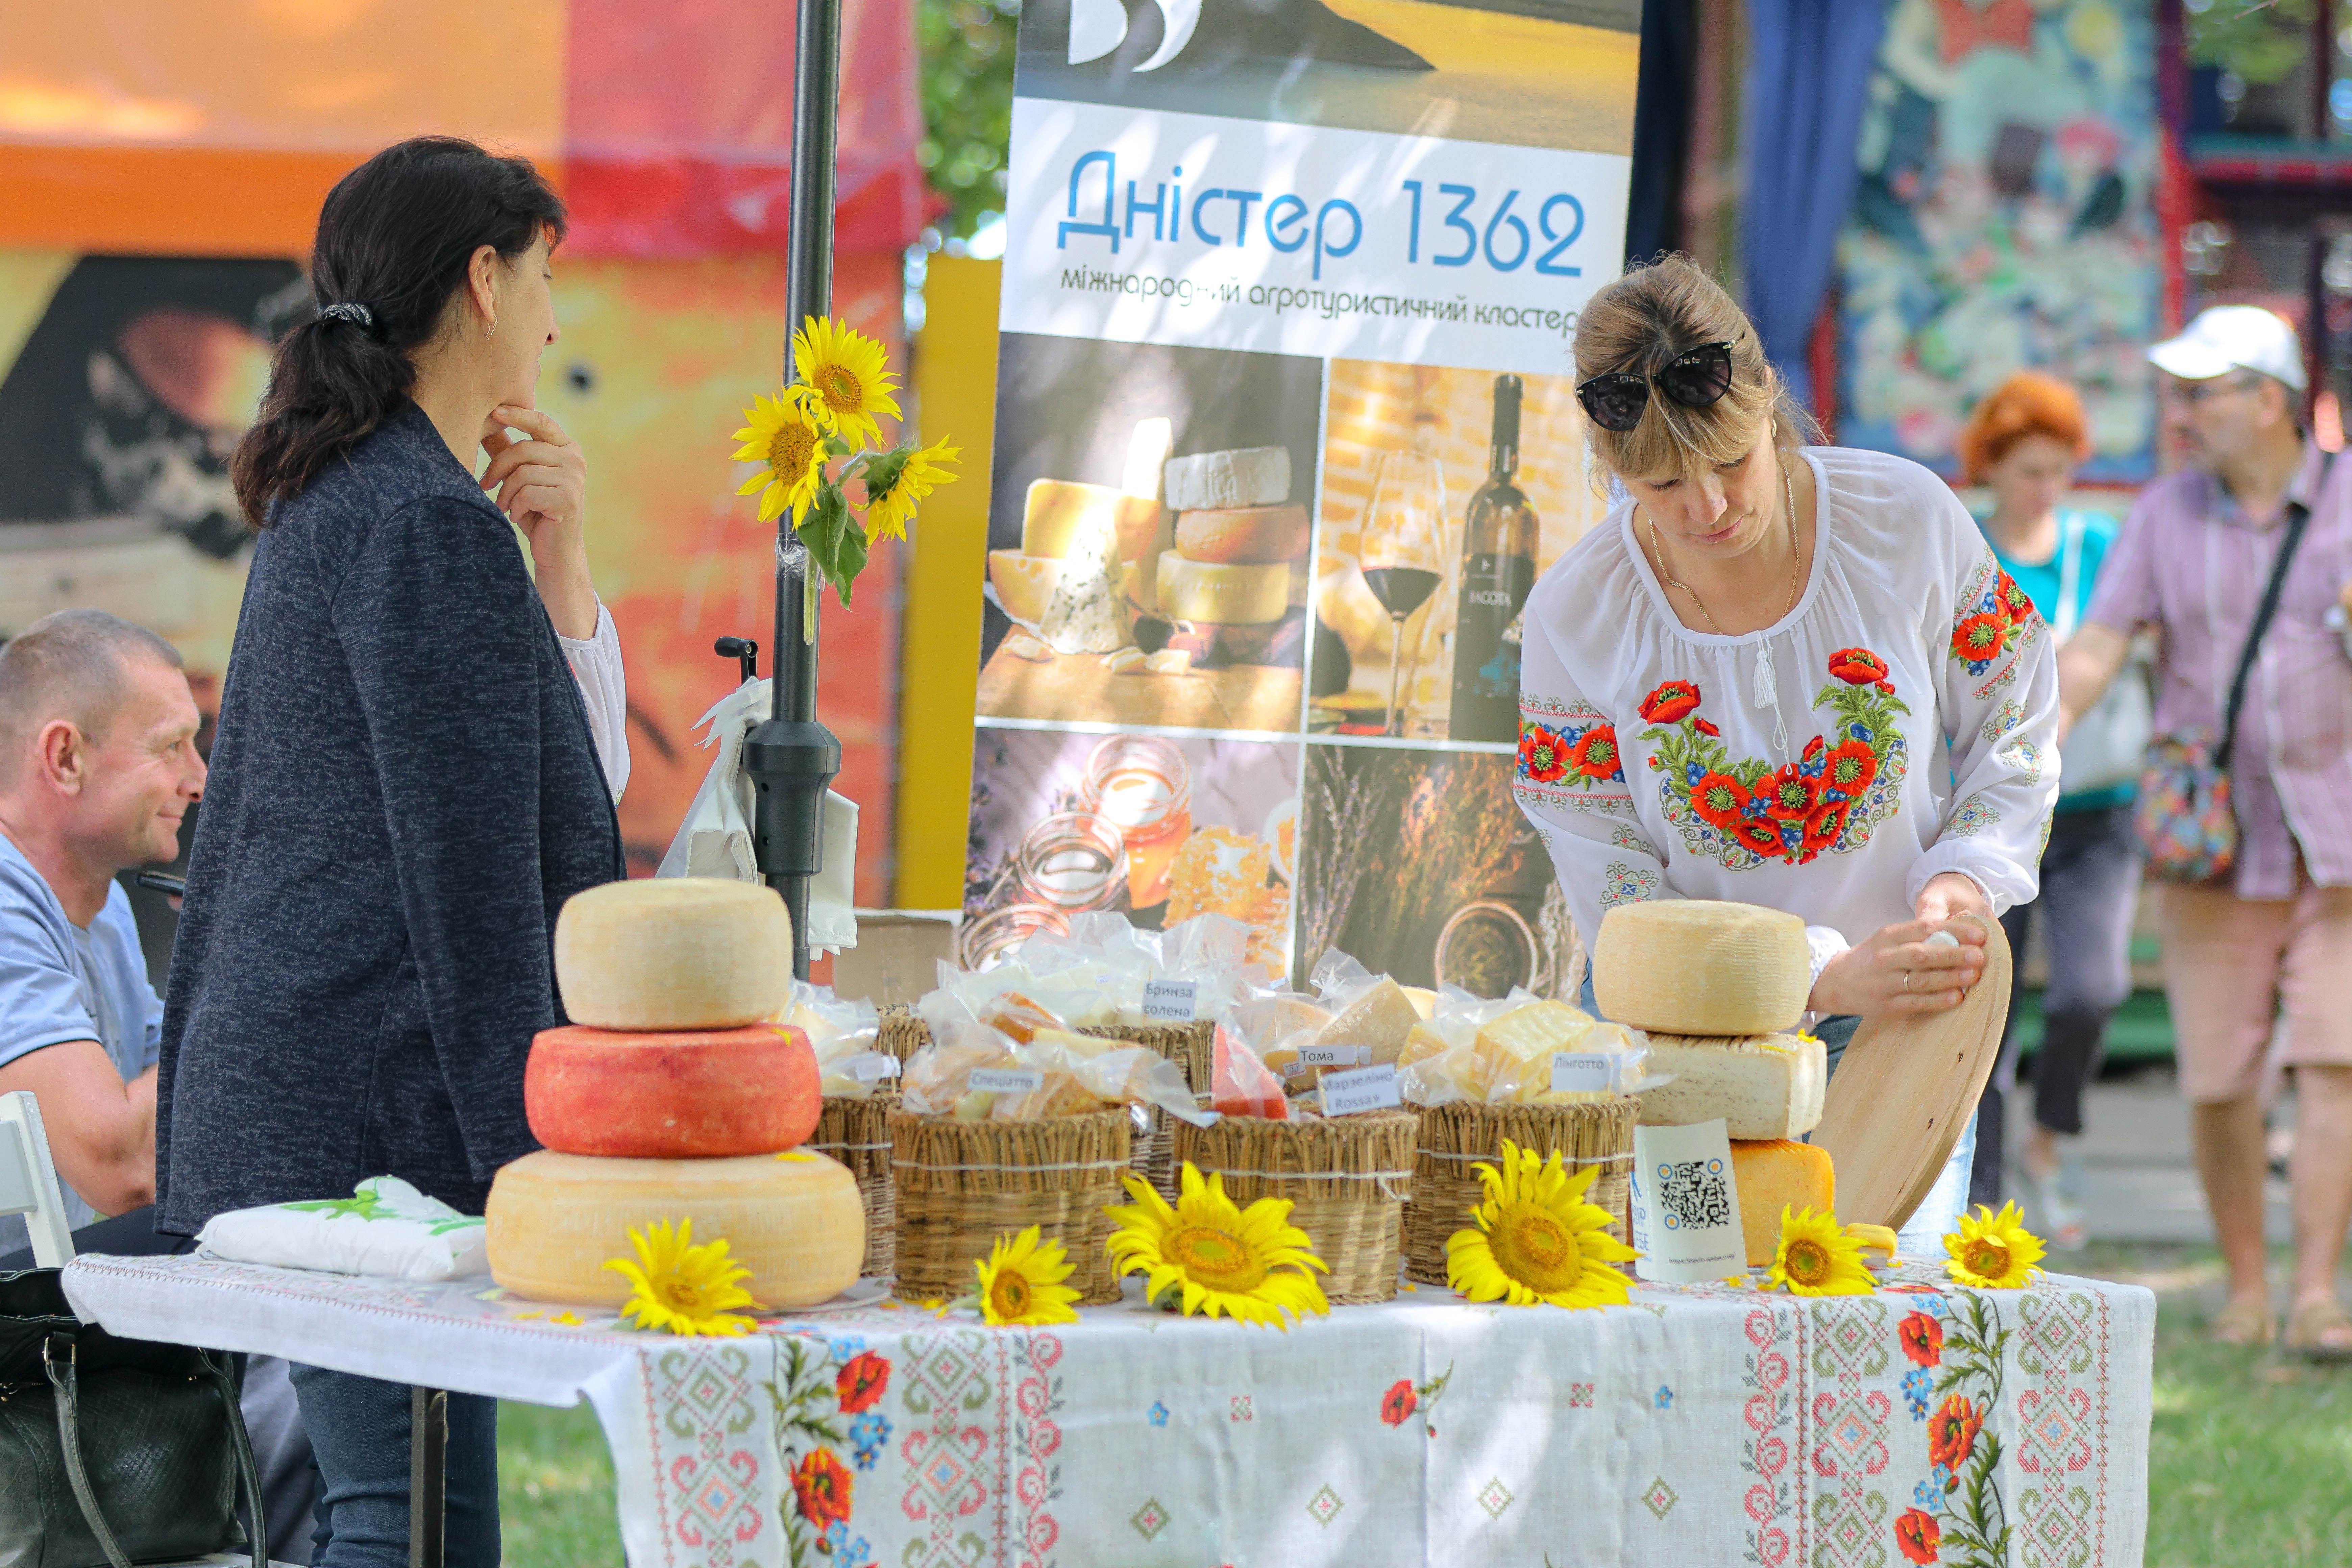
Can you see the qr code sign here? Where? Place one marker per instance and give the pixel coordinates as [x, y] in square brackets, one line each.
[1692, 1193]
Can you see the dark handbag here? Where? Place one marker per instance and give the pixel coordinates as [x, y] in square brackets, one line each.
[2183, 816]
[114, 1451]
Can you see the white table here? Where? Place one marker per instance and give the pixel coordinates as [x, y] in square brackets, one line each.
[1702, 1425]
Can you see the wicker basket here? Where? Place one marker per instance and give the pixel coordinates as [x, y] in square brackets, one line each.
[962, 1185]
[1454, 1138]
[1347, 1178]
[1189, 1045]
[857, 1133]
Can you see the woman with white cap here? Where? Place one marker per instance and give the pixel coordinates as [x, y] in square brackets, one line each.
[2263, 702]
[1781, 674]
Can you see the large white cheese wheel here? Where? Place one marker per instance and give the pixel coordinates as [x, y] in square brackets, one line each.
[1251, 476]
[1767, 1085]
[1222, 595]
[1243, 535]
[674, 952]
[794, 1222]
[1024, 584]
[1693, 966]
[1056, 515]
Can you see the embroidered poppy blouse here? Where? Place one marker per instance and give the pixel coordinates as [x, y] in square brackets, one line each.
[1899, 722]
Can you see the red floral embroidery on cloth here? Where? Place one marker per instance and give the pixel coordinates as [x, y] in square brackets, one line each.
[2000, 617]
[1582, 755]
[1793, 812]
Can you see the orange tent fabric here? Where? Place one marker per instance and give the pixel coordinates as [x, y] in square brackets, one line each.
[157, 127]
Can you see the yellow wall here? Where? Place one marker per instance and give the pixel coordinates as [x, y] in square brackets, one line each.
[955, 387]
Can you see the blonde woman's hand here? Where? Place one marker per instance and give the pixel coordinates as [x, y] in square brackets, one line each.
[1896, 970]
[541, 482]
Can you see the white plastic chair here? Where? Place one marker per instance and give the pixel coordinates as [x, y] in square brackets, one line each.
[29, 1186]
[28, 1180]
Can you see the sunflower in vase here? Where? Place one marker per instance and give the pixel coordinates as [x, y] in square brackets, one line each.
[842, 386]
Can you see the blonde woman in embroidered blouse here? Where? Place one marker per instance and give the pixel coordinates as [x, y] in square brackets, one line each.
[1784, 675]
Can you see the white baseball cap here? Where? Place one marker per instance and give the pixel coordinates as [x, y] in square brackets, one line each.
[2234, 337]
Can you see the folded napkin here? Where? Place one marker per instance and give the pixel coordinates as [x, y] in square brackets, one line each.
[385, 1227]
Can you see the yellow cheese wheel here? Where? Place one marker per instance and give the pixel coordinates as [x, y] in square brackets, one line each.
[674, 952]
[1773, 1175]
[1024, 584]
[794, 1222]
[1692, 966]
[1056, 513]
[1225, 595]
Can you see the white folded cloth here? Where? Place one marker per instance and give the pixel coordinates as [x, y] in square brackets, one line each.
[386, 1229]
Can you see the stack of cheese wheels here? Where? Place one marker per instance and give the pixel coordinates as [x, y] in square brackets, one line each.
[1717, 986]
[1241, 542]
[670, 1097]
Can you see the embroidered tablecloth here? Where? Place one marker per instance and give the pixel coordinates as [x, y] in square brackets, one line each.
[1700, 1425]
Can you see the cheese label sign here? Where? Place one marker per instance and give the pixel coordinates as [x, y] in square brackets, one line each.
[870, 1067]
[1334, 1056]
[1590, 1071]
[1171, 1001]
[1006, 1080]
[1363, 1089]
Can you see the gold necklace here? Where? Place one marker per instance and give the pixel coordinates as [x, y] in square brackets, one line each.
[1796, 584]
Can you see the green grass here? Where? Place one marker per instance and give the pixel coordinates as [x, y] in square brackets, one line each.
[2250, 1458]
[555, 1489]
[2250, 1453]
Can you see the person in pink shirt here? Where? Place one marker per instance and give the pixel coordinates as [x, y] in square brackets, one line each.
[2275, 934]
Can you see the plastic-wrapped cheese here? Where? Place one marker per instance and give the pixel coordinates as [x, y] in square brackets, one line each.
[1226, 595]
[1763, 1086]
[794, 1220]
[1515, 1049]
[674, 952]
[1693, 966]
[687, 1094]
[1381, 1018]
[1776, 1175]
[1249, 476]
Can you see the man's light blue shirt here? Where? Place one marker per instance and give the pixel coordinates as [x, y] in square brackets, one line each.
[61, 983]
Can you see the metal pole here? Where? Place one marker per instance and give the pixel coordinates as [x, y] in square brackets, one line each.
[791, 758]
[428, 1475]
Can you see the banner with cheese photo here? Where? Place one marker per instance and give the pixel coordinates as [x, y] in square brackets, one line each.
[1286, 432]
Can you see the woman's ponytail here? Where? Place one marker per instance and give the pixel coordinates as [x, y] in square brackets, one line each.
[395, 237]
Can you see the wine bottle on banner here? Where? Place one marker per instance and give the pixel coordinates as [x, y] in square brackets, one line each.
[1499, 569]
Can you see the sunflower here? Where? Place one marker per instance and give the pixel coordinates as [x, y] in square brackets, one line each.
[1534, 1238]
[850, 375]
[786, 434]
[896, 482]
[1226, 1262]
[1020, 1283]
[677, 1286]
[1993, 1251]
[1817, 1259]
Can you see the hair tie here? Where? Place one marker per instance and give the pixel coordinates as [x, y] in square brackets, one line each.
[359, 316]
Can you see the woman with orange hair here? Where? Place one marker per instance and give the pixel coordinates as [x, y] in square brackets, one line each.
[2023, 443]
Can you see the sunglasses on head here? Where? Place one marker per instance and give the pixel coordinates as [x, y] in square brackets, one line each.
[1696, 379]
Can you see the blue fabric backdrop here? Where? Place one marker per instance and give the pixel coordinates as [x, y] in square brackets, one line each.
[1809, 68]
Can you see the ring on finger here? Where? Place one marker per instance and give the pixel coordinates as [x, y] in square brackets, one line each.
[1906, 981]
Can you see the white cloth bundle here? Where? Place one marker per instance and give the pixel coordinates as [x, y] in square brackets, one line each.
[715, 839]
[385, 1228]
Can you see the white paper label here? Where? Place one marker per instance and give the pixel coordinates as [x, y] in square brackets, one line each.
[870, 1065]
[1585, 1071]
[1365, 1089]
[1687, 1204]
[1006, 1080]
[1334, 1056]
[1173, 1000]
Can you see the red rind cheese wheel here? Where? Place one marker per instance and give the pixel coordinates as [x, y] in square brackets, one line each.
[671, 1096]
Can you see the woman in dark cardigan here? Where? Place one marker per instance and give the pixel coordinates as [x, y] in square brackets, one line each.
[405, 786]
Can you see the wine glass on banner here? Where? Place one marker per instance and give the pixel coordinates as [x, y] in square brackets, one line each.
[1399, 545]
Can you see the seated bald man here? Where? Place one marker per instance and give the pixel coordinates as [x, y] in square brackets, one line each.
[98, 765]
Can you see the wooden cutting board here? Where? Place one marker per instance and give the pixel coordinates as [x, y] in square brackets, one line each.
[1904, 1093]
